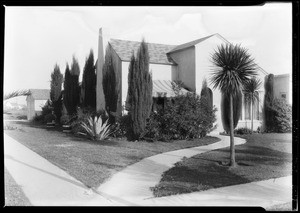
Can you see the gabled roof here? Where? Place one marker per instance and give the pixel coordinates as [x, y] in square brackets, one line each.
[40, 94]
[189, 44]
[157, 52]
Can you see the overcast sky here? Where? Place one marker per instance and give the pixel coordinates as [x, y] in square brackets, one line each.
[38, 37]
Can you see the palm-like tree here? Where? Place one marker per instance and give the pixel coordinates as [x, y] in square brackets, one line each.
[250, 90]
[16, 94]
[233, 66]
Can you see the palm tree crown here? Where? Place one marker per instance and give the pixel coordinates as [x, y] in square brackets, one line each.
[233, 67]
[251, 88]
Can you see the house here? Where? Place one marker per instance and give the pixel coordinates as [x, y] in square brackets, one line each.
[35, 101]
[189, 63]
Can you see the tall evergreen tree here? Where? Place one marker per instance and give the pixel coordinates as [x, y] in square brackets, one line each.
[268, 116]
[67, 100]
[110, 85]
[55, 90]
[71, 87]
[140, 91]
[88, 86]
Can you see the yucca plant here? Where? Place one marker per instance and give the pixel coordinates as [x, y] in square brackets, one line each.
[16, 94]
[233, 66]
[96, 129]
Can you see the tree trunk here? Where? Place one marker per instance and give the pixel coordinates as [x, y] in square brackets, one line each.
[252, 112]
[232, 151]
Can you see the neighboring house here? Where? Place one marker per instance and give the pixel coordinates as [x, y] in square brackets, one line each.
[189, 63]
[35, 101]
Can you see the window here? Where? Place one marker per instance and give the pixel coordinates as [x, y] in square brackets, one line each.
[283, 95]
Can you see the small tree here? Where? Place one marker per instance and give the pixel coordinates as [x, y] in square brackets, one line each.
[233, 67]
[251, 88]
[88, 86]
[55, 90]
[110, 85]
[140, 91]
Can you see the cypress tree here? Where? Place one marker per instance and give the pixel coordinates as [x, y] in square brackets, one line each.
[67, 90]
[71, 87]
[88, 86]
[237, 109]
[140, 91]
[268, 116]
[206, 93]
[110, 85]
[55, 90]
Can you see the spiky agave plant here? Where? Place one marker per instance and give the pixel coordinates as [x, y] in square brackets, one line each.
[96, 129]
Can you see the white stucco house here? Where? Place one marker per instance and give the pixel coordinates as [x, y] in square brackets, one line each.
[189, 62]
[35, 101]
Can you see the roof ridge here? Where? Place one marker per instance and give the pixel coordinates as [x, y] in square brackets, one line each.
[146, 42]
[190, 43]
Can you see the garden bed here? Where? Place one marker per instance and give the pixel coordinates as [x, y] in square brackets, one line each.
[91, 162]
[263, 156]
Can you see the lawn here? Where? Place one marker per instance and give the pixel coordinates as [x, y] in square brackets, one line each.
[88, 161]
[263, 156]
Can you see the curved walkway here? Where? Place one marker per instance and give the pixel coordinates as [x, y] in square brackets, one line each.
[46, 184]
[133, 183]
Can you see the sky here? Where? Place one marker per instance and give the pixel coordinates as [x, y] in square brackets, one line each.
[36, 38]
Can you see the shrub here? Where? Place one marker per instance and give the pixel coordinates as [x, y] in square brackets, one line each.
[242, 131]
[184, 117]
[96, 129]
[50, 118]
[121, 127]
[64, 119]
[281, 116]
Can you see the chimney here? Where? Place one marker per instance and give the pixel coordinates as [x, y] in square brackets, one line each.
[100, 100]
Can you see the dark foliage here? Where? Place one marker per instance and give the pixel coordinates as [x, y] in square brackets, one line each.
[110, 85]
[268, 113]
[281, 116]
[242, 131]
[88, 87]
[139, 91]
[55, 91]
[225, 110]
[71, 87]
[184, 117]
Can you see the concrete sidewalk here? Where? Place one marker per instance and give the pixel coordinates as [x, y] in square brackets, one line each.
[46, 184]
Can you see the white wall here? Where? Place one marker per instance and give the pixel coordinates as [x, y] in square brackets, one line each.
[186, 67]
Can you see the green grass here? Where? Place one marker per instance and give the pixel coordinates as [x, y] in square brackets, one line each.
[263, 156]
[91, 162]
